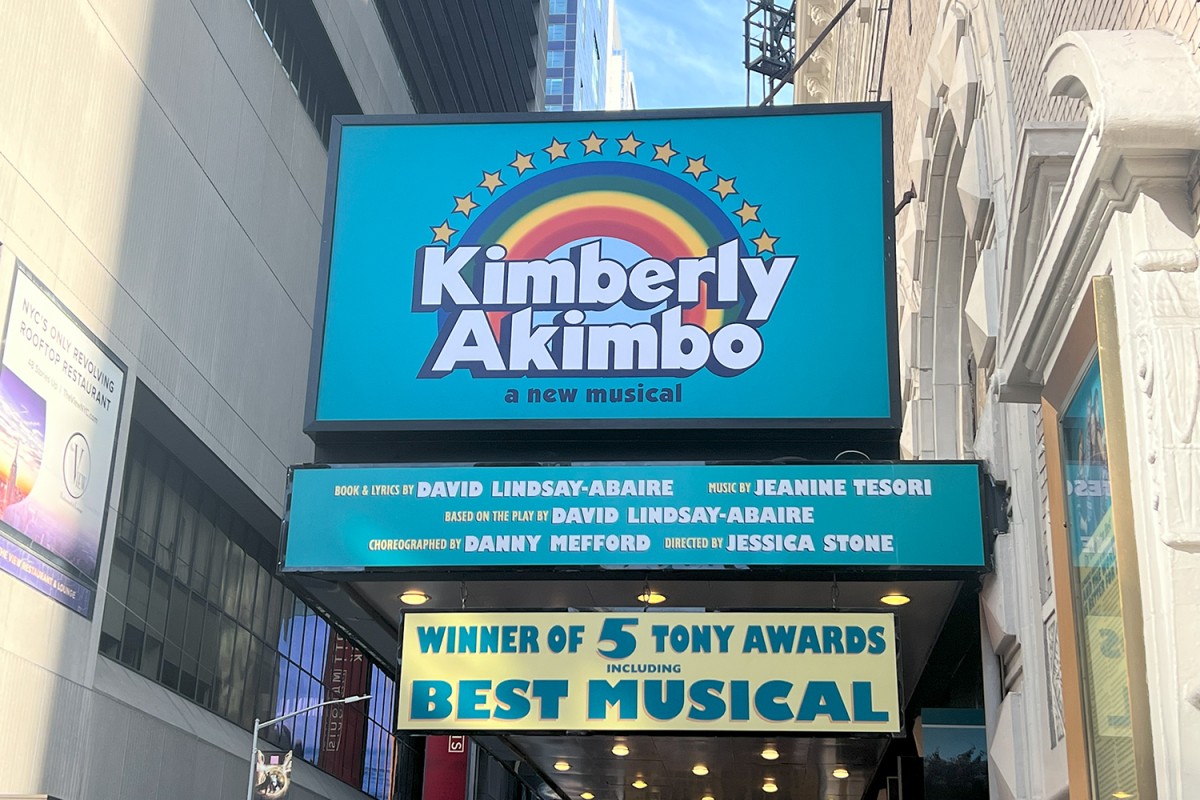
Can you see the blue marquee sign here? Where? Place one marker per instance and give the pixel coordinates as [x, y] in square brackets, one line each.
[659, 270]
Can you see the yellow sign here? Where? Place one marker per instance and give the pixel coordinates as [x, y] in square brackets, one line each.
[563, 671]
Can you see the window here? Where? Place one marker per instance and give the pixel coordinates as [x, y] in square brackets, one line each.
[193, 604]
[554, 108]
[558, 6]
[556, 59]
[556, 32]
[554, 85]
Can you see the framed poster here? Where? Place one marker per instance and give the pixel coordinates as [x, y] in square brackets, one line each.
[61, 391]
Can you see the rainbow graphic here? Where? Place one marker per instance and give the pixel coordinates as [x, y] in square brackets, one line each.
[662, 214]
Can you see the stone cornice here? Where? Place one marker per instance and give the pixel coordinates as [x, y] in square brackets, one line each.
[1144, 95]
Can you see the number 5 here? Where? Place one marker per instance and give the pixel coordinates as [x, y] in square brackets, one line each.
[623, 641]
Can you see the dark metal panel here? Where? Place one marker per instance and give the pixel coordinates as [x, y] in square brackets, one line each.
[465, 55]
[431, 50]
[412, 66]
[464, 15]
[487, 13]
[461, 65]
[511, 31]
[529, 31]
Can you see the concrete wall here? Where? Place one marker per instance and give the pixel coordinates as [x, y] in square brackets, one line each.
[158, 173]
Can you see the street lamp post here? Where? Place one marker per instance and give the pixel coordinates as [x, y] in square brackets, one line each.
[258, 726]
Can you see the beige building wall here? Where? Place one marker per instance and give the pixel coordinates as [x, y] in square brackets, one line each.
[1030, 160]
[159, 174]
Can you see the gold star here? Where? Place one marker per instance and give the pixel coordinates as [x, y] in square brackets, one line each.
[724, 187]
[747, 212]
[629, 145]
[556, 150]
[491, 181]
[443, 232]
[664, 153]
[522, 162]
[765, 242]
[465, 205]
[696, 167]
[592, 143]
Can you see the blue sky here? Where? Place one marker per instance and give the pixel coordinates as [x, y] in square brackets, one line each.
[687, 53]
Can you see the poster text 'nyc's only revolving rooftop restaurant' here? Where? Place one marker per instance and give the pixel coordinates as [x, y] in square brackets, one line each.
[607, 414]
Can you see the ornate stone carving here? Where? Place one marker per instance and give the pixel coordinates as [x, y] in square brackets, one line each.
[963, 94]
[1192, 693]
[926, 104]
[919, 157]
[1165, 299]
[975, 187]
[1185, 260]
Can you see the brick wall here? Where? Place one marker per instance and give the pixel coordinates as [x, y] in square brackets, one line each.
[909, 41]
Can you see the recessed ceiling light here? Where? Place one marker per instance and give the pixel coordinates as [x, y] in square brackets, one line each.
[639, 784]
[769, 786]
[841, 773]
[700, 770]
[652, 597]
[414, 597]
[562, 766]
[587, 796]
[707, 797]
[770, 753]
[1122, 795]
[620, 749]
[895, 599]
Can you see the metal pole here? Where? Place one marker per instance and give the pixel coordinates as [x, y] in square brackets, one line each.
[260, 725]
[253, 761]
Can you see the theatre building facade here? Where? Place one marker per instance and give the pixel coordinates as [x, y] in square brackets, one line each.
[607, 422]
[593, 456]
[607, 396]
[1049, 305]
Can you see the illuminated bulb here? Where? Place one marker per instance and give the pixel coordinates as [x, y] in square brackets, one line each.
[652, 597]
[620, 749]
[700, 770]
[1122, 795]
[769, 786]
[707, 797]
[586, 796]
[414, 597]
[639, 784]
[895, 599]
[770, 753]
[841, 773]
[561, 766]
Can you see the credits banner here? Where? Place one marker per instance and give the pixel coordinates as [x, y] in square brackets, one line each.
[906, 514]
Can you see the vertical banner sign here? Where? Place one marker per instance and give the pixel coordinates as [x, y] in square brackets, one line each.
[446, 765]
[655, 270]
[343, 728]
[60, 406]
[702, 673]
[274, 775]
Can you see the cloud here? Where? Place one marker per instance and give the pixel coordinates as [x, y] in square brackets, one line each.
[685, 54]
